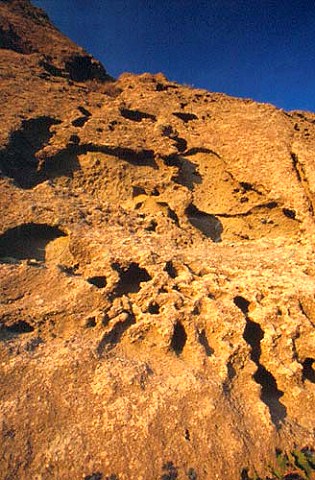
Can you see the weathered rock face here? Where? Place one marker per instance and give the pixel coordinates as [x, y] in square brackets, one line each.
[157, 278]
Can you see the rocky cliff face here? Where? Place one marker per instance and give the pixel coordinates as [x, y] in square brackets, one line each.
[156, 272]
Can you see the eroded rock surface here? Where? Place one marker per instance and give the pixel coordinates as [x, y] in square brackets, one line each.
[156, 271]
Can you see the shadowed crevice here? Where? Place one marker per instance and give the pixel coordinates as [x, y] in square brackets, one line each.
[113, 337]
[209, 225]
[185, 117]
[299, 170]
[188, 174]
[203, 340]
[20, 327]
[308, 370]
[270, 394]
[170, 212]
[242, 304]
[195, 150]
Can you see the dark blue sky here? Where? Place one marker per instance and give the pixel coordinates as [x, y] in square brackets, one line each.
[261, 49]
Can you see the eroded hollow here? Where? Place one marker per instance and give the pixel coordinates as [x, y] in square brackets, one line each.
[203, 340]
[186, 117]
[28, 241]
[130, 278]
[188, 174]
[270, 393]
[113, 337]
[80, 121]
[18, 159]
[98, 476]
[308, 370]
[170, 269]
[207, 224]
[242, 304]
[20, 327]
[154, 308]
[83, 67]
[136, 115]
[98, 281]
[179, 338]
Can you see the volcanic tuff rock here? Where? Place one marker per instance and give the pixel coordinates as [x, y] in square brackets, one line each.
[157, 279]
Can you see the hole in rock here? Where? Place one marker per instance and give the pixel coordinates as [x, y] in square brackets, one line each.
[18, 159]
[246, 186]
[33, 344]
[186, 117]
[20, 327]
[271, 205]
[98, 281]
[28, 241]
[84, 111]
[130, 278]
[242, 304]
[151, 226]
[113, 337]
[270, 394]
[171, 471]
[231, 371]
[180, 143]
[136, 115]
[74, 140]
[51, 69]
[83, 68]
[170, 213]
[10, 40]
[207, 224]
[160, 87]
[289, 213]
[202, 338]
[244, 474]
[94, 476]
[187, 435]
[63, 163]
[91, 322]
[136, 191]
[170, 269]
[179, 338]
[188, 174]
[191, 474]
[253, 334]
[154, 308]
[309, 370]
[80, 121]
[231, 374]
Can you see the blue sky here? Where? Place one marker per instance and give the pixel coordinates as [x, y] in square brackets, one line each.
[260, 49]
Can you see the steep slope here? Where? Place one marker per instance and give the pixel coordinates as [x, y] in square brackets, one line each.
[156, 272]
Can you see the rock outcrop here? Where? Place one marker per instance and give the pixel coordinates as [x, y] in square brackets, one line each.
[156, 272]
